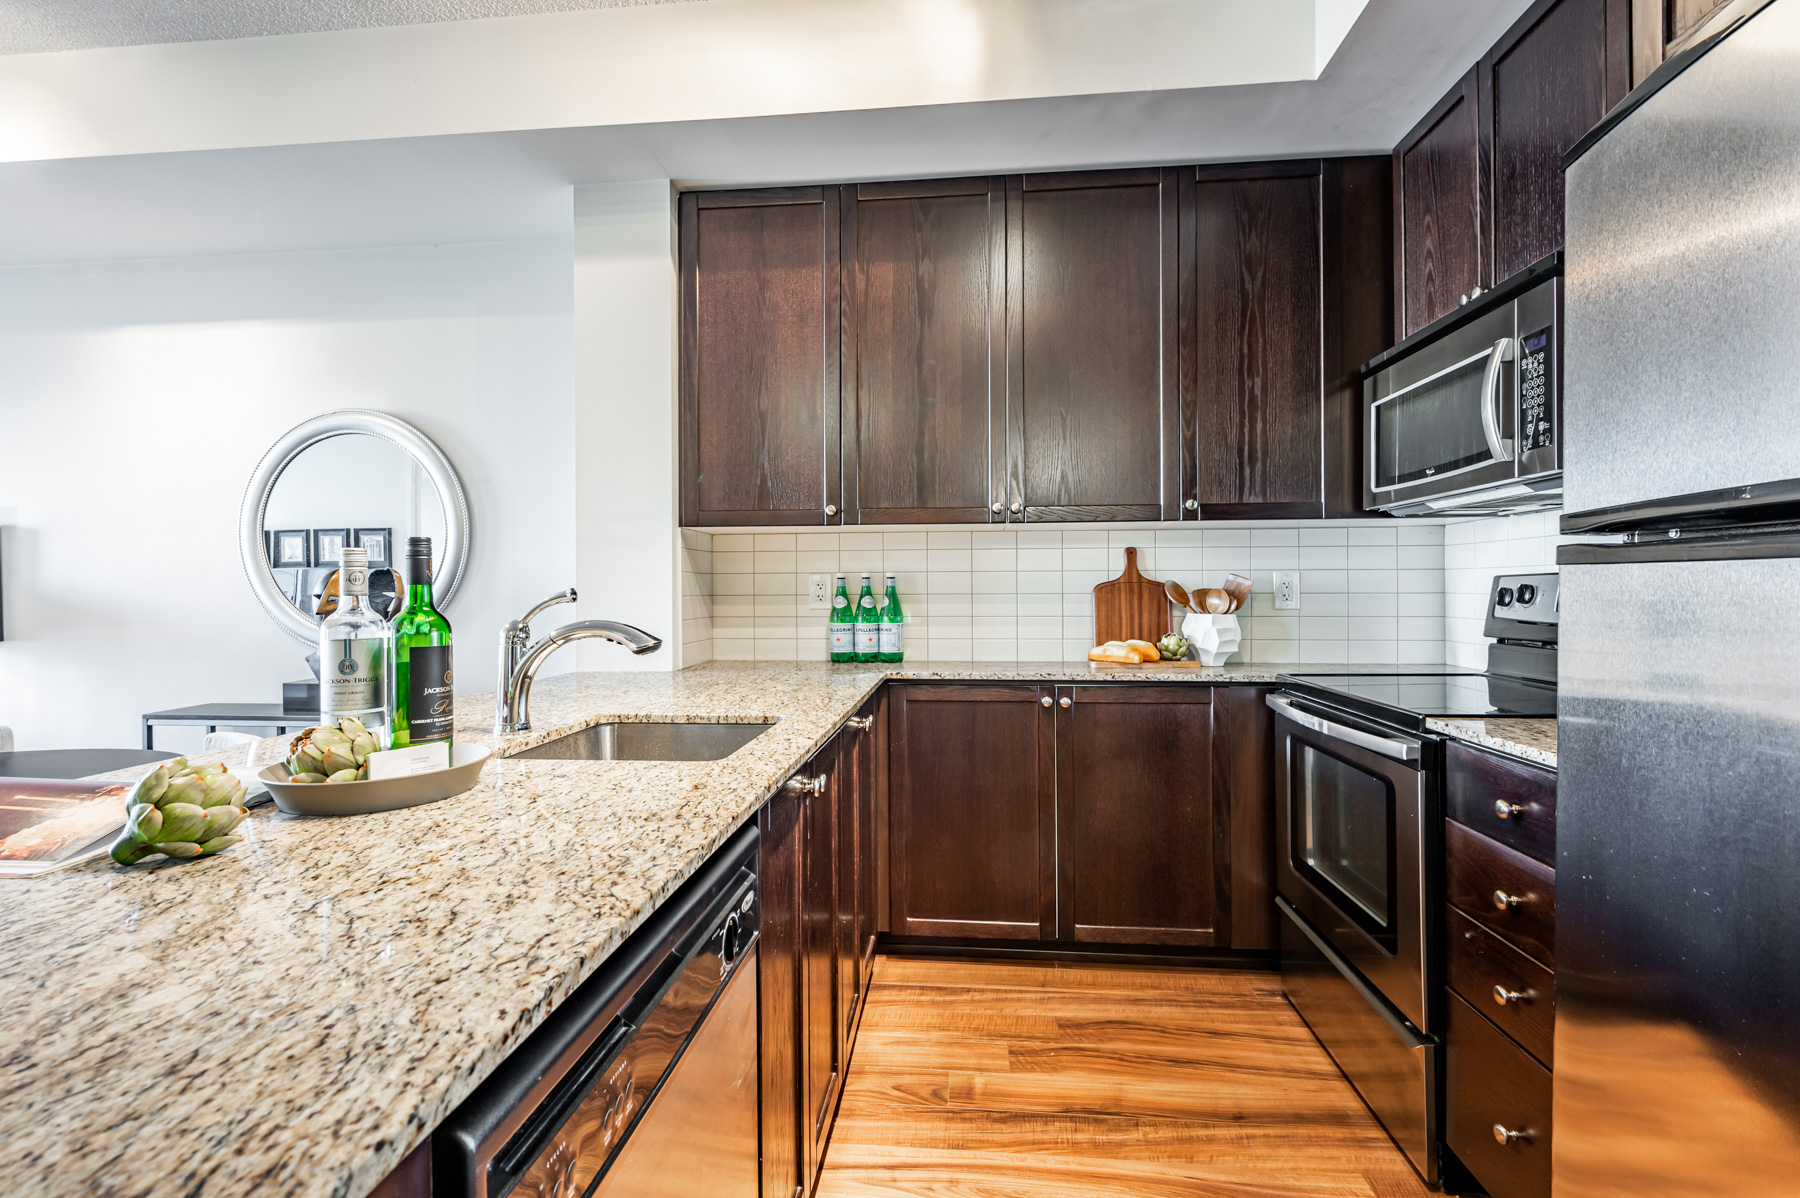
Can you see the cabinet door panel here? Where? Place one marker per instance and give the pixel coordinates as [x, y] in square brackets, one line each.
[971, 804]
[1094, 416]
[1135, 814]
[1258, 339]
[925, 307]
[1439, 200]
[759, 376]
[1546, 85]
[1243, 735]
[778, 985]
[821, 1040]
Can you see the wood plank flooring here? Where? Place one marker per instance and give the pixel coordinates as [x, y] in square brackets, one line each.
[1006, 1080]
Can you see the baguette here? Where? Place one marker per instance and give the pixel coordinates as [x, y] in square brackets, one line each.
[1145, 650]
[1115, 651]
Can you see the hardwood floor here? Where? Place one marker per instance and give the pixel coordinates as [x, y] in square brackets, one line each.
[996, 1080]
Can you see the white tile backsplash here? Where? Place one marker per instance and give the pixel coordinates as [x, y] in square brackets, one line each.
[1475, 551]
[1369, 592]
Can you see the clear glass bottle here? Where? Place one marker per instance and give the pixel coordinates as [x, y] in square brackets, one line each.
[841, 632]
[355, 654]
[893, 625]
[424, 699]
[868, 624]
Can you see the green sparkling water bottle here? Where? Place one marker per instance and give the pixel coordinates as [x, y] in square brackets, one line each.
[893, 625]
[868, 624]
[841, 631]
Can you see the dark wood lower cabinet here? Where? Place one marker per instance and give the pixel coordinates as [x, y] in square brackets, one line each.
[1134, 807]
[821, 1039]
[778, 982]
[1497, 1117]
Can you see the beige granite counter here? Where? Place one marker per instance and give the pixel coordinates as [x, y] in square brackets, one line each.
[293, 1016]
[1532, 740]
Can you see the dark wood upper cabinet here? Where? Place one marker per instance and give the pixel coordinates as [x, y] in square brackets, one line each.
[1661, 28]
[1093, 409]
[923, 351]
[1543, 85]
[1440, 210]
[1135, 815]
[972, 808]
[759, 356]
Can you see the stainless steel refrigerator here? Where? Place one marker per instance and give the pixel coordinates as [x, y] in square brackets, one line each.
[1678, 854]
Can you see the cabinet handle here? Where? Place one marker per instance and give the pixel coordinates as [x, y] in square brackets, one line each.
[998, 507]
[1506, 810]
[831, 509]
[1045, 700]
[801, 785]
[1192, 505]
[862, 723]
[1506, 998]
[1017, 507]
[1066, 701]
[1505, 1135]
[1505, 901]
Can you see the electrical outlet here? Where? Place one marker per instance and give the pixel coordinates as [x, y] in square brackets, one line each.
[821, 592]
[1287, 589]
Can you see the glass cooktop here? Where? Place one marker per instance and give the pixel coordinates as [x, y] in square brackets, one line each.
[1445, 696]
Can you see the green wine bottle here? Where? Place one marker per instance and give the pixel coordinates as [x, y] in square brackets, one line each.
[424, 701]
[868, 624]
[893, 625]
[843, 624]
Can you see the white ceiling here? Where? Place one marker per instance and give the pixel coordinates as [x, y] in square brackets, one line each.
[36, 26]
[1397, 60]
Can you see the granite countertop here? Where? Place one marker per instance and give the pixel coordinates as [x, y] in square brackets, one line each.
[293, 1016]
[1532, 740]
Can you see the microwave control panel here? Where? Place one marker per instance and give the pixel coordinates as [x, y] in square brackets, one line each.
[1534, 392]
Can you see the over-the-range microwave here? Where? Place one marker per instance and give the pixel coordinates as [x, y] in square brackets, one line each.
[1465, 416]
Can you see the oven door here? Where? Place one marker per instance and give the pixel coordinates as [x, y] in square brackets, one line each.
[1351, 843]
[1441, 420]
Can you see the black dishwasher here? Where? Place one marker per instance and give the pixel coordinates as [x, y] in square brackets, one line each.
[644, 1083]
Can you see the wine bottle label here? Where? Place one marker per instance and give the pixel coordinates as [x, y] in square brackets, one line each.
[352, 675]
[430, 699]
[868, 638]
[893, 637]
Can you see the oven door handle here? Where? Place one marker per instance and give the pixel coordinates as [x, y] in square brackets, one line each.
[1409, 1035]
[1399, 748]
[1490, 400]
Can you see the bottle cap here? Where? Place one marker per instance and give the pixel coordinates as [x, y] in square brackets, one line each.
[418, 547]
[418, 561]
[353, 572]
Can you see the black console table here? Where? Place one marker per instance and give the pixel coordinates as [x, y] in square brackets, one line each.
[74, 763]
[213, 716]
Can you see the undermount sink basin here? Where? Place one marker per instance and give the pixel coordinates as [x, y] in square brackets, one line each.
[647, 742]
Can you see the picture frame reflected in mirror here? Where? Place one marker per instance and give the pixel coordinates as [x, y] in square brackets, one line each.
[328, 546]
[290, 549]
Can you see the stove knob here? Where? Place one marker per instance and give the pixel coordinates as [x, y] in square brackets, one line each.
[1503, 597]
[1527, 594]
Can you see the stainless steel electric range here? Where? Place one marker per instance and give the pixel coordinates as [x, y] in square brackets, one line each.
[1359, 852]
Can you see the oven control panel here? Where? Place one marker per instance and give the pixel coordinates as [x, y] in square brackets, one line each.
[1526, 598]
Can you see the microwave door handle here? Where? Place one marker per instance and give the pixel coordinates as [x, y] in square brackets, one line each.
[1490, 401]
[1399, 748]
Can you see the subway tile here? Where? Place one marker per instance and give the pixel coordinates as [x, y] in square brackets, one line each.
[948, 582]
[1040, 605]
[1083, 538]
[1429, 652]
[1122, 538]
[1181, 538]
[817, 538]
[777, 584]
[1264, 538]
[733, 542]
[734, 626]
[734, 563]
[734, 649]
[1221, 562]
[1420, 581]
[1040, 648]
[1079, 628]
[1323, 582]
[1039, 559]
[1273, 652]
[1420, 557]
[1172, 560]
[994, 582]
[953, 626]
[1284, 557]
[1371, 628]
[1377, 603]
[734, 584]
[1323, 603]
[902, 540]
[816, 561]
[1325, 653]
[1323, 628]
[994, 538]
[1414, 604]
[1045, 627]
[1083, 558]
[995, 649]
[1323, 537]
[1324, 557]
[1006, 604]
[775, 542]
[949, 648]
[812, 649]
[947, 540]
[1040, 582]
[1083, 580]
[1075, 648]
[767, 626]
[776, 649]
[777, 561]
[1421, 628]
[860, 543]
[1373, 652]
[948, 559]
[912, 560]
[1493, 529]
[1226, 538]
[1370, 580]
[1374, 557]
[961, 604]
[1383, 534]
[1412, 532]
[1078, 603]
[995, 559]
[1040, 538]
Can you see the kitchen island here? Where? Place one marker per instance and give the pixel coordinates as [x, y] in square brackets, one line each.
[294, 1016]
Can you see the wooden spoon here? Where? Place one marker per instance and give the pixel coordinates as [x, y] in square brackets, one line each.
[1213, 601]
[1178, 595]
[1238, 587]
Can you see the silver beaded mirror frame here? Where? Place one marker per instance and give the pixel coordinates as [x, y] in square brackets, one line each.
[253, 547]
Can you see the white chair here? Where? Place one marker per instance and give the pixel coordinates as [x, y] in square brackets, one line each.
[213, 742]
[5, 739]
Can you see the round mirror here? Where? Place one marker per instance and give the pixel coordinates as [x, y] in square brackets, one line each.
[342, 480]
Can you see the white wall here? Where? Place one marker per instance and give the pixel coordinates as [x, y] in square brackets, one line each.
[1475, 551]
[625, 500]
[136, 397]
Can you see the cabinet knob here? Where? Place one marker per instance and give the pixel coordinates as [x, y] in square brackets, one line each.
[1505, 901]
[831, 509]
[1017, 507]
[1192, 505]
[1506, 810]
[862, 723]
[803, 785]
[1506, 1135]
[1505, 998]
[1045, 700]
[998, 507]
[1066, 701]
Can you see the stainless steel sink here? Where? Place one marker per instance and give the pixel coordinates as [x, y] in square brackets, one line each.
[647, 742]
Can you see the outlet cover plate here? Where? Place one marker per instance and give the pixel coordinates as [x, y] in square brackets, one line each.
[1287, 588]
[821, 593]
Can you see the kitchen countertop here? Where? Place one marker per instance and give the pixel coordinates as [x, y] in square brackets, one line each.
[293, 1016]
[1532, 740]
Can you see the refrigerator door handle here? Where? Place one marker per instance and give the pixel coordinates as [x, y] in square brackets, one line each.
[1399, 748]
[1490, 401]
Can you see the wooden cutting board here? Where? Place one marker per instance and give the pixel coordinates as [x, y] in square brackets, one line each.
[1130, 607]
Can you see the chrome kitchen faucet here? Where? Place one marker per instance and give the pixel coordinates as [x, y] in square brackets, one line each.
[519, 664]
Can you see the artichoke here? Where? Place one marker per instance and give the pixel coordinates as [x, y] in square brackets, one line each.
[331, 752]
[181, 810]
[1172, 647]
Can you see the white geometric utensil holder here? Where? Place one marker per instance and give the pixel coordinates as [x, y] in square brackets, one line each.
[1214, 638]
